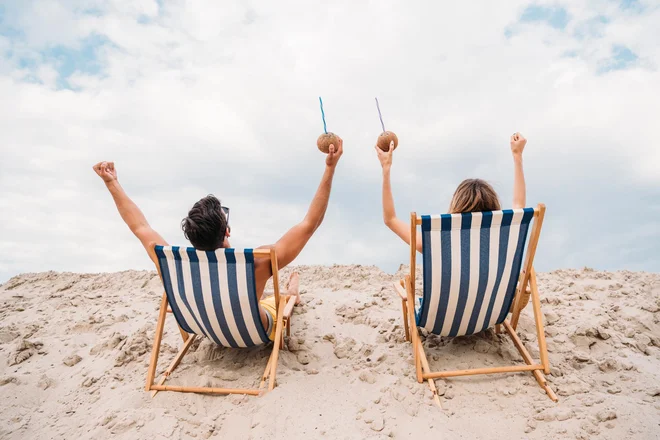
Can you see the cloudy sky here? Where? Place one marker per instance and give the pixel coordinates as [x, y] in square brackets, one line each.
[196, 97]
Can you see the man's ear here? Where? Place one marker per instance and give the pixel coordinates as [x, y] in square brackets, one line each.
[228, 232]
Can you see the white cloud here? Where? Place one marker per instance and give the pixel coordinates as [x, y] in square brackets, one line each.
[199, 97]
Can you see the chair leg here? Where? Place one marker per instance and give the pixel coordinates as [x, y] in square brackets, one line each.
[158, 337]
[184, 335]
[538, 319]
[267, 371]
[425, 366]
[276, 344]
[519, 303]
[413, 328]
[175, 362]
[273, 365]
[540, 378]
[417, 345]
[405, 320]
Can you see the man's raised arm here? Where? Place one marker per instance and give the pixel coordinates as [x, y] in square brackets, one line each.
[292, 243]
[128, 210]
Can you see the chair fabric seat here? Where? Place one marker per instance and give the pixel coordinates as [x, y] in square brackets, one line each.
[471, 265]
[213, 293]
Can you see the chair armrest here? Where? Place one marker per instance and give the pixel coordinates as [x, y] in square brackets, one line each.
[288, 309]
[400, 290]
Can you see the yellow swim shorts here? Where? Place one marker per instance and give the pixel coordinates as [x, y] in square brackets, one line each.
[268, 304]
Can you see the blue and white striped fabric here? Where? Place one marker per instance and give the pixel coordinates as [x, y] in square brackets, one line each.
[471, 264]
[213, 294]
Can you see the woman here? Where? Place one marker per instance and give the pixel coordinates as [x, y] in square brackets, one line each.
[472, 195]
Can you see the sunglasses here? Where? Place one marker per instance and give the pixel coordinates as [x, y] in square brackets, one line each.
[225, 210]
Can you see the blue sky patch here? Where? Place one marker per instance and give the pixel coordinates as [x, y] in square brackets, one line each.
[621, 59]
[68, 60]
[6, 29]
[555, 16]
[93, 11]
[591, 28]
[632, 5]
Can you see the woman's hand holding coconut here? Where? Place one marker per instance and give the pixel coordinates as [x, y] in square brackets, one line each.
[385, 157]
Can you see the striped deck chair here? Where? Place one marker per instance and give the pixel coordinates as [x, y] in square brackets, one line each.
[472, 278]
[213, 294]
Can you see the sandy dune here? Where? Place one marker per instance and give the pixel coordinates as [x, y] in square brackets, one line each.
[75, 348]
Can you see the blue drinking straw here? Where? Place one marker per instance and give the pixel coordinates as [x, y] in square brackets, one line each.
[323, 116]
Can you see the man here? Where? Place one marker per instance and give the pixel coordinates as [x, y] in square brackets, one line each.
[207, 228]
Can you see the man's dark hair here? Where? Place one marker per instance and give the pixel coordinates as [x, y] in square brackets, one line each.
[206, 224]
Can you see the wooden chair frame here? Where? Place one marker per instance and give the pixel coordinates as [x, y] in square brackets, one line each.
[284, 305]
[527, 280]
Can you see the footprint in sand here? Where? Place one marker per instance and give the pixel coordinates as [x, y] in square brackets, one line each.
[45, 382]
[7, 336]
[114, 340]
[71, 360]
[304, 357]
[9, 379]
[133, 348]
[344, 349]
[23, 351]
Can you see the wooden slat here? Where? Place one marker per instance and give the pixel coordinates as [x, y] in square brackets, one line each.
[518, 343]
[474, 371]
[413, 248]
[400, 290]
[417, 343]
[425, 365]
[529, 261]
[276, 346]
[153, 362]
[288, 309]
[261, 253]
[276, 277]
[204, 390]
[414, 333]
[267, 371]
[177, 360]
[551, 394]
[406, 328]
[538, 317]
[411, 293]
[160, 382]
[528, 359]
[183, 333]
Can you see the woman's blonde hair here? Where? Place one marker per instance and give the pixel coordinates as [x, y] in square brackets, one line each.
[474, 195]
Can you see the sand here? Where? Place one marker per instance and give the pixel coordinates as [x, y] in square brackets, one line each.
[75, 348]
